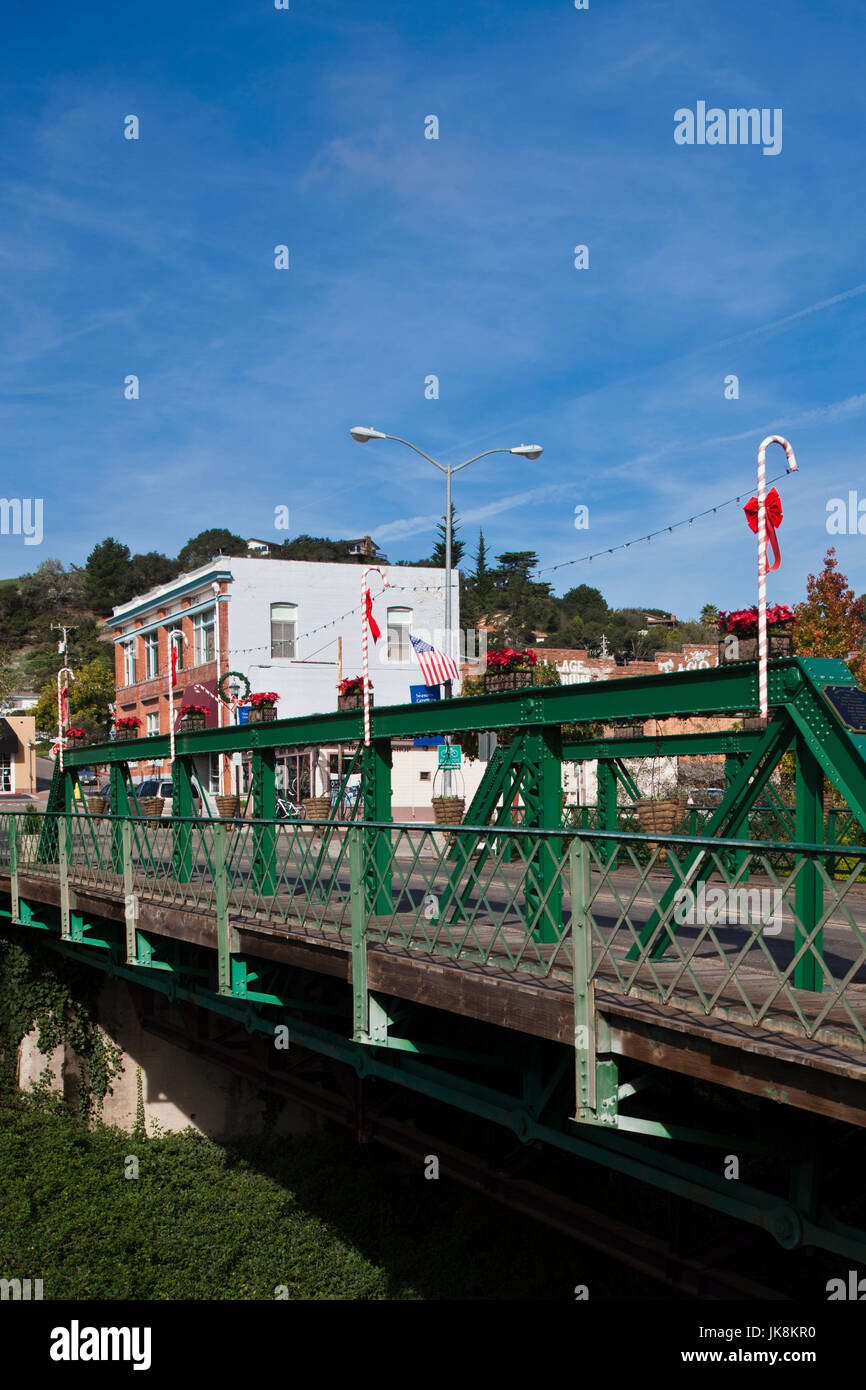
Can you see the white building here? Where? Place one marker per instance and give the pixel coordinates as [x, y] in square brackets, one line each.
[289, 626]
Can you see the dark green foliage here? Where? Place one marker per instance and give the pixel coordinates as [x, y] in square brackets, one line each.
[321, 549]
[458, 547]
[321, 1217]
[206, 545]
[107, 575]
[39, 989]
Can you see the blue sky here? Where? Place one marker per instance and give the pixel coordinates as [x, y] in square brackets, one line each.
[454, 257]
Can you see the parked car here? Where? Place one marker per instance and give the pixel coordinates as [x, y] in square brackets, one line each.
[87, 779]
[161, 786]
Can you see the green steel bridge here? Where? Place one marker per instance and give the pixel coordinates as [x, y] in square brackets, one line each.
[542, 978]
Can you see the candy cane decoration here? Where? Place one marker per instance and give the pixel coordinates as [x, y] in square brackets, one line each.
[366, 620]
[62, 694]
[172, 681]
[762, 560]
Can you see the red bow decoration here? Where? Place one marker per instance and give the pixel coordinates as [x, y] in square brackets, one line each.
[375, 631]
[174, 664]
[772, 518]
[64, 705]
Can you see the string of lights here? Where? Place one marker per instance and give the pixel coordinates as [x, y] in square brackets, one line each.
[428, 588]
[662, 530]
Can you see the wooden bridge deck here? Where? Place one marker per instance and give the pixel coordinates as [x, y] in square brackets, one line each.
[475, 976]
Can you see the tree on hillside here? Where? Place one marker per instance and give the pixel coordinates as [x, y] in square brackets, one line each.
[709, 615]
[832, 621]
[150, 570]
[106, 576]
[206, 545]
[458, 547]
[90, 695]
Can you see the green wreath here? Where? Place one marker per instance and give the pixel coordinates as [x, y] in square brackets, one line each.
[227, 699]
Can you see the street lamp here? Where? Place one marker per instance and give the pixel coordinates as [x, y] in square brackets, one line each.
[362, 434]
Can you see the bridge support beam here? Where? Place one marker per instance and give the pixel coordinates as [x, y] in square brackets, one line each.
[809, 892]
[376, 789]
[542, 797]
[264, 790]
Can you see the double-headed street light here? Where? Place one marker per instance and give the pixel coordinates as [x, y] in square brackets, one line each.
[363, 434]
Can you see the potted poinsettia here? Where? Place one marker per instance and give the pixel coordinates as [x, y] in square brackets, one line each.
[75, 738]
[509, 670]
[350, 693]
[192, 718]
[739, 633]
[263, 706]
[127, 726]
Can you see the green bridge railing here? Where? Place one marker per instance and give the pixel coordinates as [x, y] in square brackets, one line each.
[769, 934]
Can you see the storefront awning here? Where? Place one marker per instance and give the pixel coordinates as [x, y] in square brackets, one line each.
[8, 738]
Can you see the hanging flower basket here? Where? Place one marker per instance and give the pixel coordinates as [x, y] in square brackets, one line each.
[228, 807]
[192, 719]
[742, 625]
[350, 693]
[127, 728]
[317, 807]
[97, 805]
[509, 670]
[448, 810]
[660, 817]
[152, 805]
[353, 701]
[263, 706]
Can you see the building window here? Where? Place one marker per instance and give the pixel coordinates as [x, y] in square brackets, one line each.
[284, 629]
[213, 773]
[178, 645]
[399, 646]
[425, 776]
[129, 662]
[5, 774]
[152, 725]
[151, 655]
[203, 637]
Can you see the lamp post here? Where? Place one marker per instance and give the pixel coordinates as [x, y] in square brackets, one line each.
[363, 434]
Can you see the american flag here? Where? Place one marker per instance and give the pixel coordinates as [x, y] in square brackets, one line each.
[436, 667]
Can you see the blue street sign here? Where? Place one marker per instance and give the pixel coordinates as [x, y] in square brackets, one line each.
[419, 695]
[243, 714]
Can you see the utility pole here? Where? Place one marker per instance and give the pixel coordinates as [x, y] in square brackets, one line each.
[63, 644]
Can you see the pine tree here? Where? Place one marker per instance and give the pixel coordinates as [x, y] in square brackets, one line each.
[437, 559]
[832, 621]
[482, 573]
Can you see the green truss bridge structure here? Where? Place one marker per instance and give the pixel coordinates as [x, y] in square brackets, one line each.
[653, 1004]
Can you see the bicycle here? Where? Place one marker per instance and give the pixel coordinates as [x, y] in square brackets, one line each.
[286, 809]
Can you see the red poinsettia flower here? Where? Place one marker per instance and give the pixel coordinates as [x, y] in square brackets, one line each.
[353, 685]
[510, 660]
[262, 697]
[187, 710]
[75, 733]
[129, 721]
[743, 622]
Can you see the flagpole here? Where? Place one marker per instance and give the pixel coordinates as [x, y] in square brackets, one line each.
[762, 562]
